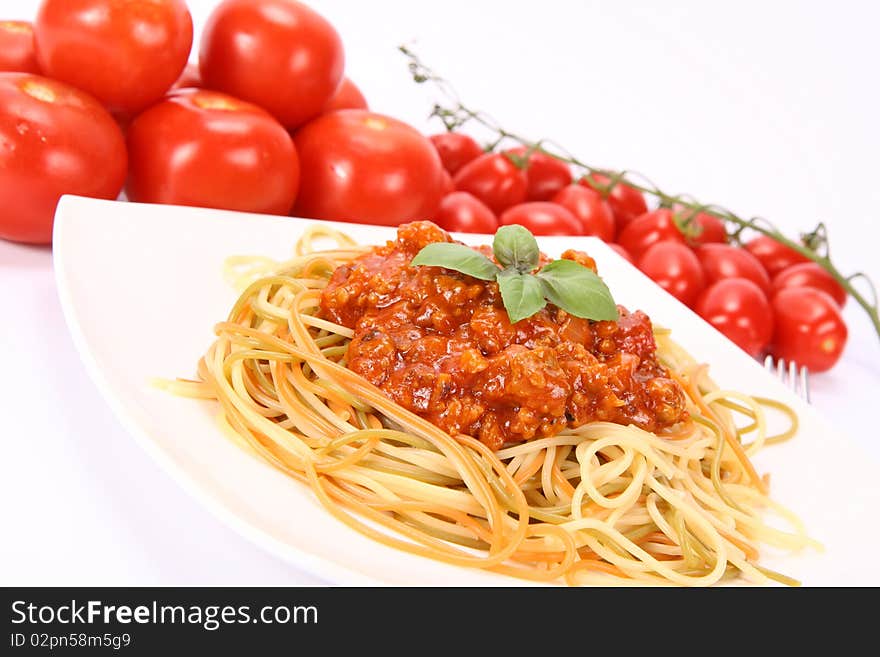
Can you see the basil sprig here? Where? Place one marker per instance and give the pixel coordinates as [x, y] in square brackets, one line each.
[524, 291]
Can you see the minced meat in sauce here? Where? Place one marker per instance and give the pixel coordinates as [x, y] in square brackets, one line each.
[440, 344]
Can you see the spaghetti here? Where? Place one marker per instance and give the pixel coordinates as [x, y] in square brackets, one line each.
[602, 503]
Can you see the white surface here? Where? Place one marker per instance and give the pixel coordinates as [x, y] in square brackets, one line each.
[159, 323]
[766, 108]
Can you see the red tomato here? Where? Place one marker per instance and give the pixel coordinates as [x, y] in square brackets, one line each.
[493, 179]
[362, 166]
[455, 150]
[675, 268]
[545, 175]
[203, 148]
[590, 209]
[772, 255]
[542, 218]
[54, 140]
[448, 185]
[809, 274]
[278, 54]
[126, 54]
[17, 47]
[739, 309]
[626, 202]
[190, 78]
[623, 253]
[704, 228]
[810, 330]
[465, 213]
[347, 96]
[648, 229]
[726, 261]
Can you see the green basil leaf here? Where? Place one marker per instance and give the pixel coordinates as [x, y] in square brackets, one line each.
[516, 247]
[577, 290]
[458, 257]
[522, 294]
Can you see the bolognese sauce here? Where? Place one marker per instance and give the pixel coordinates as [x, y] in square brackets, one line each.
[439, 343]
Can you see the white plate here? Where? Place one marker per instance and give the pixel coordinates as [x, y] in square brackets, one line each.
[141, 287]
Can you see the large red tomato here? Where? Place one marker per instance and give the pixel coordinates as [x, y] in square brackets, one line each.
[279, 54]
[362, 166]
[204, 148]
[126, 54]
[494, 179]
[346, 96]
[54, 140]
[17, 47]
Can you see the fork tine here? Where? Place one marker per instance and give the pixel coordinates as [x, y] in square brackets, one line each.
[794, 377]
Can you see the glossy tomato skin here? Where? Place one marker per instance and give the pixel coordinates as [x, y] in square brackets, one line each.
[203, 148]
[648, 229]
[278, 54]
[17, 52]
[725, 261]
[772, 255]
[455, 149]
[54, 140]
[347, 96]
[739, 309]
[590, 208]
[542, 218]
[675, 268]
[366, 167]
[465, 213]
[809, 274]
[126, 54]
[494, 179]
[703, 228]
[545, 175]
[809, 328]
[626, 202]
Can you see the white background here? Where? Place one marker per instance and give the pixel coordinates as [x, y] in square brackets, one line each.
[766, 108]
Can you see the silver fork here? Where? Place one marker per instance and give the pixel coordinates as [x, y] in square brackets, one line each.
[796, 378]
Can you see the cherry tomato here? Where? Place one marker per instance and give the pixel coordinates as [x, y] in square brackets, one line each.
[17, 47]
[739, 309]
[190, 78]
[493, 179]
[590, 208]
[204, 148]
[704, 228]
[126, 54]
[545, 175]
[623, 253]
[54, 140]
[455, 149]
[278, 54]
[772, 255]
[626, 202]
[809, 274]
[362, 166]
[346, 96]
[465, 213]
[648, 229]
[448, 185]
[675, 268]
[726, 261]
[542, 218]
[809, 330]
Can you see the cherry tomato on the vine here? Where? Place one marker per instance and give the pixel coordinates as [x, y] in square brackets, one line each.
[590, 208]
[455, 149]
[542, 218]
[739, 309]
[809, 328]
[702, 227]
[204, 148]
[17, 47]
[347, 96]
[675, 268]
[493, 179]
[465, 213]
[648, 229]
[54, 140]
[772, 255]
[545, 175]
[126, 54]
[726, 261]
[279, 54]
[358, 165]
[626, 202]
[810, 274]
